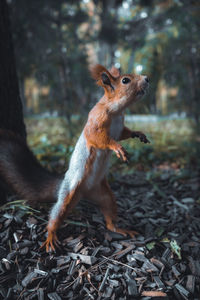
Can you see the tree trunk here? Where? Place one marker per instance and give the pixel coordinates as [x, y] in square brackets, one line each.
[11, 114]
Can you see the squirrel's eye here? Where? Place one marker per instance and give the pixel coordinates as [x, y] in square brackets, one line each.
[126, 80]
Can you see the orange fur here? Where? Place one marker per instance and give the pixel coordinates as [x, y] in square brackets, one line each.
[97, 131]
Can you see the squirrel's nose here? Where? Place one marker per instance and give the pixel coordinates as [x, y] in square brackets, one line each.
[146, 79]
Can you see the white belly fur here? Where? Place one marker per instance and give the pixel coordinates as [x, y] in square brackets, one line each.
[74, 174]
[77, 165]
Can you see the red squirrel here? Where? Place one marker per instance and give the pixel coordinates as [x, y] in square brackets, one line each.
[86, 175]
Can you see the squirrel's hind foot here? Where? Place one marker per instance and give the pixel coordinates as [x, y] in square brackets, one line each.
[123, 231]
[51, 243]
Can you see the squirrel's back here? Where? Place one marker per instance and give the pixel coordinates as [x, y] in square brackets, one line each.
[22, 173]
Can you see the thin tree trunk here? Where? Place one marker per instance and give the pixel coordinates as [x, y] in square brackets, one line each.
[11, 114]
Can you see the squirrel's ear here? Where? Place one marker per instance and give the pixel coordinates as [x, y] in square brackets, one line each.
[105, 78]
[101, 75]
[114, 72]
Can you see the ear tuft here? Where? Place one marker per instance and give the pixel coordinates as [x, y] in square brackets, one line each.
[114, 72]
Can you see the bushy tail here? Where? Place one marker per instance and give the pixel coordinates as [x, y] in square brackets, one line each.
[21, 172]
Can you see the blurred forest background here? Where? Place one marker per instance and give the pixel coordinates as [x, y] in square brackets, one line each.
[55, 43]
[158, 192]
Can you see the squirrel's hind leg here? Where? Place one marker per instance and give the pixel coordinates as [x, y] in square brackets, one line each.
[60, 211]
[108, 207]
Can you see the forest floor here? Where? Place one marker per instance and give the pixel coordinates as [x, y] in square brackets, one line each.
[93, 263]
[161, 202]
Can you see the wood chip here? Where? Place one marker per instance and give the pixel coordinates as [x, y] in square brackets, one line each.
[132, 287]
[182, 291]
[158, 282]
[176, 272]
[28, 279]
[54, 296]
[190, 284]
[86, 259]
[40, 294]
[154, 294]
[104, 280]
[149, 267]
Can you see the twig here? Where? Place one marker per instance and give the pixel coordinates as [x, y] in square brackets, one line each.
[118, 262]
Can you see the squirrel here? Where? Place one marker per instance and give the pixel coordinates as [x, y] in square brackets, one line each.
[86, 175]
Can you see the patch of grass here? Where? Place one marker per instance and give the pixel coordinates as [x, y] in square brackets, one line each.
[173, 143]
[51, 141]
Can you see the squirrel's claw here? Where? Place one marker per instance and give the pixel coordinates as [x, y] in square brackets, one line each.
[141, 136]
[122, 231]
[144, 139]
[122, 153]
[126, 232]
[51, 243]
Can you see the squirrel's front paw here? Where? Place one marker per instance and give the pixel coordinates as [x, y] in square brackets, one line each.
[121, 153]
[141, 136]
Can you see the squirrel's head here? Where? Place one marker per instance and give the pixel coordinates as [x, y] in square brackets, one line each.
[121, 90]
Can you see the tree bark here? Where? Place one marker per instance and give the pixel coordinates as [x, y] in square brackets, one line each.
[11, 113]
